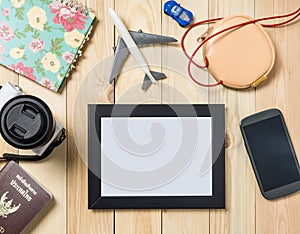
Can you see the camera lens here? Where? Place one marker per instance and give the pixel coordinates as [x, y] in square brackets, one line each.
[26, 122]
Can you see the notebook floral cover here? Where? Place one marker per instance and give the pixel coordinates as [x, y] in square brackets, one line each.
[41, 39]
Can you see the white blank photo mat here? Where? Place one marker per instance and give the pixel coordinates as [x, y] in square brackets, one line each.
[148, 150]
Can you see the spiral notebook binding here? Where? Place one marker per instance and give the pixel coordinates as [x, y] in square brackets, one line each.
[77, 5]
[80, 52]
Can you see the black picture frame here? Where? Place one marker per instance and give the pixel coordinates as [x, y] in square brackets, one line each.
[216, 201]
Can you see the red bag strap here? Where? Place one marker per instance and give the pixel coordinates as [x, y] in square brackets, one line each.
[295, 15]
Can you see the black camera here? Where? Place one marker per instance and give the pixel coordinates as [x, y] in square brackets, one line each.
[26, 122]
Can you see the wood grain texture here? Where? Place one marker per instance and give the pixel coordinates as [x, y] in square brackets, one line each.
[80, 219]
[145, 15]
[281, 216]
[137, 221]
[7, 76]
[65, 172]
[178, 89]
[239, 216]
[50, 172]
[185, 221]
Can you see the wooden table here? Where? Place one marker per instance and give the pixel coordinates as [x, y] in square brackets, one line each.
[65, 175]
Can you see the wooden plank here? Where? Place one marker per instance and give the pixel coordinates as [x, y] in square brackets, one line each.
[281, 216]
[145, 15]
[42, 171]
[51, 172]
[138, 221]
[239, 216]
[80, 219]
[247, 211]
[178, 88]
[7, 76]
[185, 221]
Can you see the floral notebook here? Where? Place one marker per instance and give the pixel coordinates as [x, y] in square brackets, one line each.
[41, 39]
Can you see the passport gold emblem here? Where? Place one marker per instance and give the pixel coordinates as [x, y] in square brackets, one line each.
[7, 207]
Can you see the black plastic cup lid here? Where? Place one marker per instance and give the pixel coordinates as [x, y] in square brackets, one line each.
[26, 122]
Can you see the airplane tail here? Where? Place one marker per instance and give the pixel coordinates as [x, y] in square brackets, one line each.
[157, 76]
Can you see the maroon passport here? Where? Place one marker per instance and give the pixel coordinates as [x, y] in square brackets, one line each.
[21, 199]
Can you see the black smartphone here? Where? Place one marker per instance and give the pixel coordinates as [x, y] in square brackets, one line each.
[271, 153]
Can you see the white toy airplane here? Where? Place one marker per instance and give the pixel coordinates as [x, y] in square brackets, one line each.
[129, 42]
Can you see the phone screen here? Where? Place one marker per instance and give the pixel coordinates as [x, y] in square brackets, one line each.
[272, 154]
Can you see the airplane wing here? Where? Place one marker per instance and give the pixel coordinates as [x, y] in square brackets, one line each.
[141, 39]
[121, 54]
